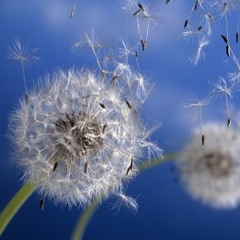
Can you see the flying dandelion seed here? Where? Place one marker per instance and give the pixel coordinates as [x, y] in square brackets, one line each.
[223, 89]
[24, 55]
[200, 104]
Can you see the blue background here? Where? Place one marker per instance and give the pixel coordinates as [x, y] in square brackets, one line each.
[166, 211]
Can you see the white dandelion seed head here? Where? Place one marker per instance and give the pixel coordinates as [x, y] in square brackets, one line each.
[212, 172]
[77, 139]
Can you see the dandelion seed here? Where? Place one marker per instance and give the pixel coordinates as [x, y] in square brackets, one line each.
[212, 173]
[208, 20]
[199, 104]
[144, 44]
[24, 55]
[102, 105]
[235, 76]
[145, 17]
[142, 85]
[114, 79]
[196, 5]
[237, 33]
[104, 128]
[140, 9]
[125, 50]
[222, 88]
[55, 166]
[228, 50]
[185, 23]
[224, 39]
[68, 147]
[72, 11]
[26, 99]
[203, 139]
[93, 43]
[126, 202]
[136, 54]
[189, 32]
[41, 204]
[229, 122]
[224, 7]
[128, 104]
[130, 167]
[140, 6]
[85, 167]
[199, 52]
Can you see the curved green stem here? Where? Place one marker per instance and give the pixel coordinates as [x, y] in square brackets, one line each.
[83, 221]
[27, 189]
[156, 161]
[14, 205]
[87, 214]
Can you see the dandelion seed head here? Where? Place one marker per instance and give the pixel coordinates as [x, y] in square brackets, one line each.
[211, 172]
[76, 137]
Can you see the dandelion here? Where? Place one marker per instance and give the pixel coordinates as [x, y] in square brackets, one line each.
[212, 173]
[77, 140]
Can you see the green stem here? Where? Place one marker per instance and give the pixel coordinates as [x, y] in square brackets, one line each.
[156, 161]
[14, 205]
[84, 219]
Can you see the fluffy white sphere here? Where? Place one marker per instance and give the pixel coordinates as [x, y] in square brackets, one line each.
[212, 172]
[78, 137]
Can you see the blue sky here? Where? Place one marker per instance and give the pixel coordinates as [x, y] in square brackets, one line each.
[166, 211]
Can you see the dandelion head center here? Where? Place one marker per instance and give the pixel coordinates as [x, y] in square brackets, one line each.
[218, 164]
[78, 134]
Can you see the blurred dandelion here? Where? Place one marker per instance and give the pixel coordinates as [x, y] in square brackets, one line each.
[212, 172]
[77, 140]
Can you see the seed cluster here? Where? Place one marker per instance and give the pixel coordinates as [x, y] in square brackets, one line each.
[78, 138]
[211, 172]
